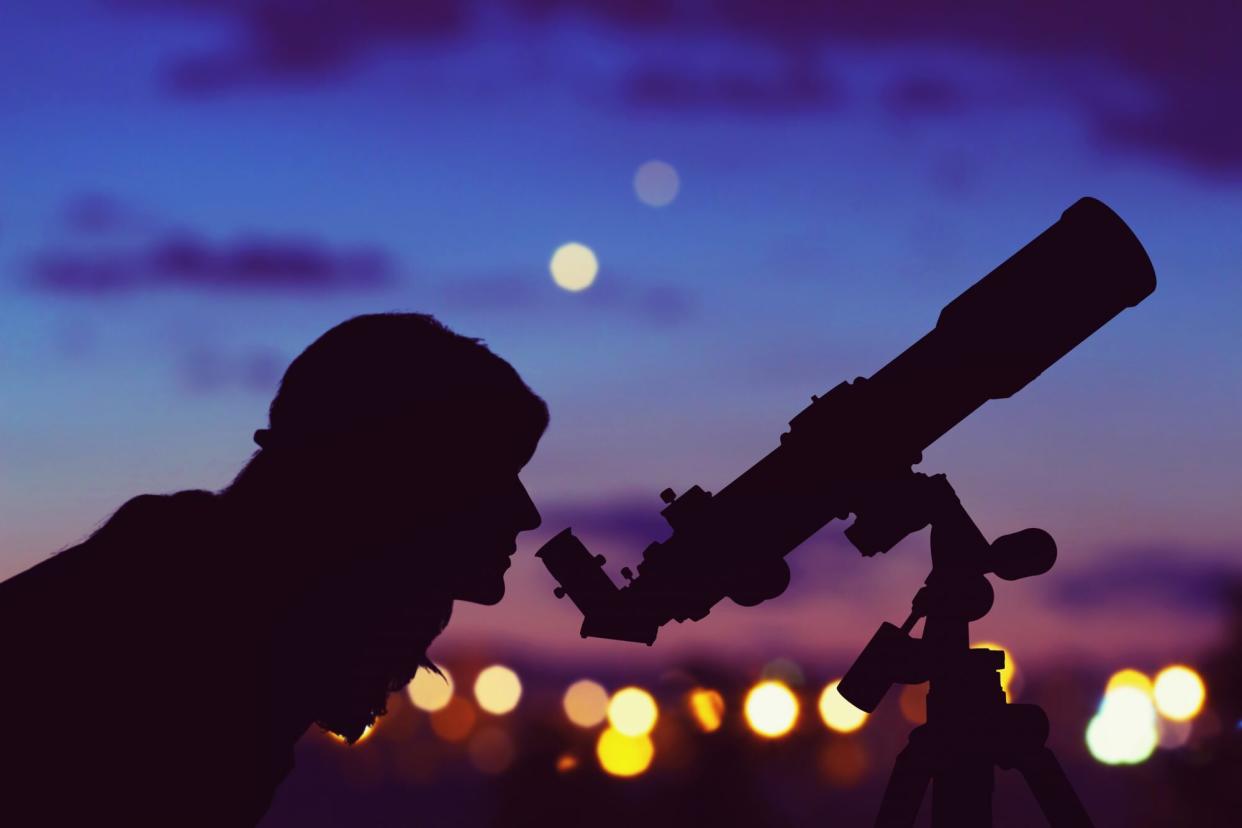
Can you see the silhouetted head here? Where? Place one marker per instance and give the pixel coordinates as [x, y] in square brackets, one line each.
[390, 468]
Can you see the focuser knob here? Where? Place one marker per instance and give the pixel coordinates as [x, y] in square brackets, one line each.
[559, 592]
[668, 495]
[627, 573]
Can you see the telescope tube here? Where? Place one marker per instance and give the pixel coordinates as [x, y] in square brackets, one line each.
[988, 343]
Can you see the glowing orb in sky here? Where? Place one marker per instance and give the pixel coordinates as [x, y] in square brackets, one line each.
[771, 709]
[574, 266]
[838, 713]
[656, 183]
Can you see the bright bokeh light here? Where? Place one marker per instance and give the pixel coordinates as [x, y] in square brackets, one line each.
[707, 708]
[838, 713]
[1008, 671]
[586, 703]
[566, 762]
[1129, 677]
[497, 689]
[1123, 732]
[622, 755]
[430, 692]
[632, 711]
[656, 183]
[771, 709]
[1179, 693]
[574, 266]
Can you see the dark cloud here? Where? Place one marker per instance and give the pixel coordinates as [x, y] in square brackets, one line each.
[100, 214]
[1146, 579]
[924, 95]
[632, 521]
[307, 39]
[1184, 55]
[188, 261]
[676, 89]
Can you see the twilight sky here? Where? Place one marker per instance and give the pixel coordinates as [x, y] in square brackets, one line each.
[190, 192]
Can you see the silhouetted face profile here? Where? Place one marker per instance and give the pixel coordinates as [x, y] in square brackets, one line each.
[390, 469]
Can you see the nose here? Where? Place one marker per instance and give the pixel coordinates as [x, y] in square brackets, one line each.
[528, 515]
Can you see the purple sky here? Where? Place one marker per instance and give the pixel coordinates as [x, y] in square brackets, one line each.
[193, 191]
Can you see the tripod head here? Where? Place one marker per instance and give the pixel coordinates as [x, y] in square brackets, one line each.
[851, 450]
[954, 594]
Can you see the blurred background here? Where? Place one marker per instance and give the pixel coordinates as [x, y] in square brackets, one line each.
[678, 219]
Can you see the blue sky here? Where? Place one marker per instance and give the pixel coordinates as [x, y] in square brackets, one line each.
[842, 178]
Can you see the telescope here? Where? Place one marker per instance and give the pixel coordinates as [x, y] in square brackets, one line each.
[851, 450]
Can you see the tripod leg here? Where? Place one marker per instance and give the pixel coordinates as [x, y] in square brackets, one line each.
[907, 785]
[1052, 789]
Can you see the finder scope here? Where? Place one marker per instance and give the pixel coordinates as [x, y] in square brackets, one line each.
[849, 448]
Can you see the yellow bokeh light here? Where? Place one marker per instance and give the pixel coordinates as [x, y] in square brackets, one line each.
[1129, 678]
[656, 183]
[497, 690]
[1179, 693]
[632, 711]
[586, 703]
[771, 709]
[838, 713]
[430, 692]
[1124, 731]
[574, 266]
[622, 755]
[1007, 672]
[707, 708]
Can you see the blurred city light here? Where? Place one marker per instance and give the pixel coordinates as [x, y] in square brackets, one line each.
[586, 703]
[707, 708]
[913, 703]
[1123, 732]
[838, 713]
[632, 711]
[1179, 693]
[566, 762]
[574, 266]
[497, 689]
[623, 755]
[771, 709]
[455, 720]
[656, 183]
[844, 762]
[1007, 672]
[1129, 677]
[429, 691]
[1171, 734]
[784, 670]
[491, 750]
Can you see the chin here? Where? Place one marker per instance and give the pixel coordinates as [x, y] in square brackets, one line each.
[487, 595]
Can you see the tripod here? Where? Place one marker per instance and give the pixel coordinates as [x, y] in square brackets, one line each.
[970, 728]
